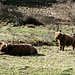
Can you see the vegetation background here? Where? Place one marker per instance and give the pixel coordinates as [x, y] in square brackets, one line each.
[35, 22]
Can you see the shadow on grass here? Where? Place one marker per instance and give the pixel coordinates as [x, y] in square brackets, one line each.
[68, 71]
[38, 55]
[24, 55]
[65, 73]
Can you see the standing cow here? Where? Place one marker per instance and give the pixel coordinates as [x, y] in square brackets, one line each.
[65, 40]
[17, 49]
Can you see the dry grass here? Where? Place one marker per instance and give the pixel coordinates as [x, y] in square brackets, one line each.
[25, 34]
[49, 61]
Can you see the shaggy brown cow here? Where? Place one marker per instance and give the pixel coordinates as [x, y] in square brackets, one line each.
[18, 49]
[65, 40]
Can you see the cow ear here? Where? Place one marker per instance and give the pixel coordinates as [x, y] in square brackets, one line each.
[60, 31]
[5, 46]
[0, 43]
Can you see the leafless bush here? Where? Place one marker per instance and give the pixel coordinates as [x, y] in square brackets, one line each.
[62, 1]
[10, 13]
[73, 12]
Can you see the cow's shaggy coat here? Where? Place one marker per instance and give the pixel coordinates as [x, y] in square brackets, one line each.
[18, 49]
[65, 40]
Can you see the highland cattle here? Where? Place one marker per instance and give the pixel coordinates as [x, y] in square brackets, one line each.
[65, 40]
[17, 49]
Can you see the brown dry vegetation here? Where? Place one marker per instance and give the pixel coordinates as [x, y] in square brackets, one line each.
[58, 13]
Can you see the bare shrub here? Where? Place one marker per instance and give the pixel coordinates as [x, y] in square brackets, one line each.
[73, 12]
[62, 1]
[10, 13]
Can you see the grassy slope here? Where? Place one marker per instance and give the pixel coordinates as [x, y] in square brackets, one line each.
[24, 33]
[49, 61]
[46, 34]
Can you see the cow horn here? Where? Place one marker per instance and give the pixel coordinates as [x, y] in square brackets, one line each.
[5, 46]
[0, 42]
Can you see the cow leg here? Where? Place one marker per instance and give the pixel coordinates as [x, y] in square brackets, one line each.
[73, 47]
[62, 48]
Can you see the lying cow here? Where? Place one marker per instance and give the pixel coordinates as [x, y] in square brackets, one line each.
[17, 49]
[65, 40]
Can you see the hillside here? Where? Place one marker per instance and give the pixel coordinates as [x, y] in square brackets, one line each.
[41, 22]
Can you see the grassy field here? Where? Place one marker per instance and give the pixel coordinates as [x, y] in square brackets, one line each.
[49, 60]
[25, 34]
[20, 24]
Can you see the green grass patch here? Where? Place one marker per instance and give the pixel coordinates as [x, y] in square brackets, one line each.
[49, 61]
[22, 33]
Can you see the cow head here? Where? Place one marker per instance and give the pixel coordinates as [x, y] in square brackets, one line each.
[3, 45]
[58, 35]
